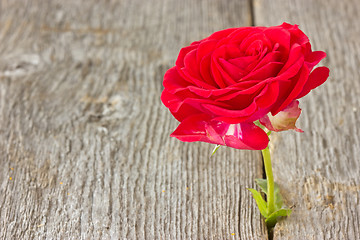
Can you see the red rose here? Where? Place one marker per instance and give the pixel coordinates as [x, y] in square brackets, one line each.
[222, 84]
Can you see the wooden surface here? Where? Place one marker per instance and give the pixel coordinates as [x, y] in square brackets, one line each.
[84, 144]
[85, 137]
[319, 170]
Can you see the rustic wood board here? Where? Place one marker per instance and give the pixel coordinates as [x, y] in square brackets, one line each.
[84, 139]
[318, 170]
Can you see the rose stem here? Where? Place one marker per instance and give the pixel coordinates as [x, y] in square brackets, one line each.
[269, 179]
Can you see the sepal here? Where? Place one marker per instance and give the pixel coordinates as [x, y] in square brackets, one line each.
[260, 202]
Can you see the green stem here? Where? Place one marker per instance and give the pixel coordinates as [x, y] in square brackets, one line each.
[269, 179]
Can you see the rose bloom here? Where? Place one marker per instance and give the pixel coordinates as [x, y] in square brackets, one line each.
[222, 84]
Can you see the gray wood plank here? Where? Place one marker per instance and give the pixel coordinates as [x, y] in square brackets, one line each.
[84, 139]
[318, 170]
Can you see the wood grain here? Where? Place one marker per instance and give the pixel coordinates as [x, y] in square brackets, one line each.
[84, 139]
[318, 170]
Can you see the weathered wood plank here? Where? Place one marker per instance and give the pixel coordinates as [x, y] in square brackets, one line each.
[84, 144]
[318, 170]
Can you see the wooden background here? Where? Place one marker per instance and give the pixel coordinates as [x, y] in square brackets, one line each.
[84, 145]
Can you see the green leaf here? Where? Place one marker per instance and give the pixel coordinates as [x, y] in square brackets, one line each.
[260, 202]
[262, 183]
[272, 219]
[215, 149]
[278, 200]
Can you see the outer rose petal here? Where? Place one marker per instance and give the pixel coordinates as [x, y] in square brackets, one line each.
[241, 136]
[314, 58]
[298, 83]
[316, 78]
[182, 54]
[173, 82]
[284, 120]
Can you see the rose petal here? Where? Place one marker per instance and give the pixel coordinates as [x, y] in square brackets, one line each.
[232, 70]
[205, 48]
[231, 51]
[201, 128]
[183, 52]
[294, 56]
[314, 58]
[195, 81]
[284, 120]
[316, 78]
[274, 56]
[297, 36]
[268, 96]
[246, 136]
[279, 35]
[173, 82]
[221, 77]
[223, 92]
[238, 36]
[178, 109]
[216, 73]
[240, 115]
[191, 64]
[255, 47]
[243, 62]
[269, 70]
[228, 80]
[198, 128]
[291, 92]
[258, 107]
[247, 44]
[222, 33]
